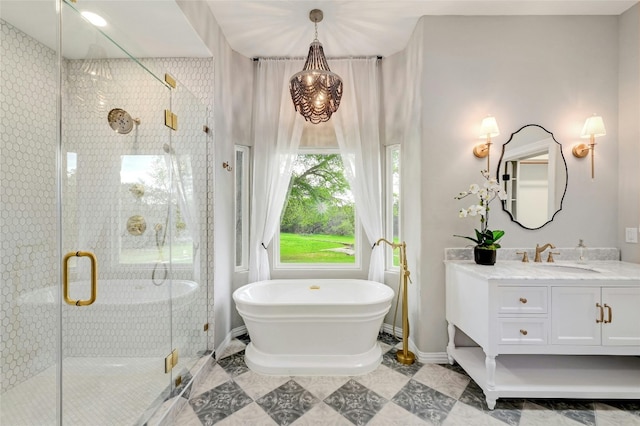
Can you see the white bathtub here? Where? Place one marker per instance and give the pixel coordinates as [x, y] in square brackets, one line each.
[313, 327]
[128, 318]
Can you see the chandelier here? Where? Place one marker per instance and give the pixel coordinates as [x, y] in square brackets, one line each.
[315, 90]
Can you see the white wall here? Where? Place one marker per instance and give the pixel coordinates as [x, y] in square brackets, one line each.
[233, 84]
[629, 130]
[554, 71]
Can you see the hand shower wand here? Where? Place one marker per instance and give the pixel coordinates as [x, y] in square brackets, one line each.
[405, 356]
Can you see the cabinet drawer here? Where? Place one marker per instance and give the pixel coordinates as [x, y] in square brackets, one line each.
[522, 300]
[525, 331]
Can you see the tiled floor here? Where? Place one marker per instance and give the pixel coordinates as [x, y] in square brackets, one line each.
[393, 394]
[92, 393]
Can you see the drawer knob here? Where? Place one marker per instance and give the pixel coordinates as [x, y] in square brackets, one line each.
[524, 332]
[523, 300]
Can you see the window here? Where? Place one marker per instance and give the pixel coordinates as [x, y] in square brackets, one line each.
[318, 222]
[151, 229]
[242, 207]
[392, 203]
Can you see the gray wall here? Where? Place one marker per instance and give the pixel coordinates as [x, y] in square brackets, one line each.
[554, 71]
[629, 130]
[233, 98]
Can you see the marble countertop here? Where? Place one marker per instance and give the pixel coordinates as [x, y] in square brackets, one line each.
[593, 270]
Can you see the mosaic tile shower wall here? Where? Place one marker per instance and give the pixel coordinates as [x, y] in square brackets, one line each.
[28, 96]
[109, 202]
[95, 211]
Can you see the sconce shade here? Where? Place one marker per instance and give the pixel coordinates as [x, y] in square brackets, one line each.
[594, 126]
[489, 127]
[316, 91]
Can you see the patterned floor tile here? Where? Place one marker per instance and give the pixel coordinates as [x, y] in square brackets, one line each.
[387, 339]
[629, 405]
[234, 364]
[394, 415]
[244, 338]
[536, 415]
[219, 402]
[356, 402]
[287, 403]
[389, 360]
[187, 417]
[465, 415]
[394, 394]
[322, 414]
[257, 385]
[506, 410]
[384, 348]
[321, 386]
[607, 415]
[455, 367]
[424, 402]
[232, 348]
[251, 415]
[442, 379]
[215, 377]
[578, 410]
[384, 381]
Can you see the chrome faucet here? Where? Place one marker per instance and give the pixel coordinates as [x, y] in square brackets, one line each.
[539, 250]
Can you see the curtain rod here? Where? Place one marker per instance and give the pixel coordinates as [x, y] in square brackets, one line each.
[257, 58]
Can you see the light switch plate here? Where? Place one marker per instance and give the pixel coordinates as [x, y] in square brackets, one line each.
[631, 235]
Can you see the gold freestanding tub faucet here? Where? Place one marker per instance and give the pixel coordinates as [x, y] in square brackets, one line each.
[405, 356]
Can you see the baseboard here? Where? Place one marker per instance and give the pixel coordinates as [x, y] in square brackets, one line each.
[423, 357]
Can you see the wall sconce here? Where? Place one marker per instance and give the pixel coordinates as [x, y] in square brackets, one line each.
[593, 128]
[227, 166]
[488, 129]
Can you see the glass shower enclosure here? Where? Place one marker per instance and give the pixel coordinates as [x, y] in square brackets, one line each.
[103, 216]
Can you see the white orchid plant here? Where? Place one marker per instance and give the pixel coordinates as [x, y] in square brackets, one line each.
[485, 238]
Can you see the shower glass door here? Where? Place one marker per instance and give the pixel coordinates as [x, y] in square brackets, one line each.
[117, 216]
[188, 160]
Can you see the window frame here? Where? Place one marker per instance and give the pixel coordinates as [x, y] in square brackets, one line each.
[246, 188]
[389, 186]
[356, 265]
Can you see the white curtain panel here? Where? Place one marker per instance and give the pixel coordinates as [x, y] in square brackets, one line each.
[357, 126]
[278, 129]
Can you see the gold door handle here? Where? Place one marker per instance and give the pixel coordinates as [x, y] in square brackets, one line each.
[524, 332]
[599, 306]
[609, 314]
[94, 278]
[523, 300]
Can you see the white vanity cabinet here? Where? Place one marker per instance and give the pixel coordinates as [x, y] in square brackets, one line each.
[608, 316]
[547, 333]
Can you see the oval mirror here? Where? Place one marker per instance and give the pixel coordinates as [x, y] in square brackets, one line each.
[533, 172]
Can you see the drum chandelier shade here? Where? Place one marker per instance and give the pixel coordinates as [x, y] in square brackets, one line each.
[316, 91]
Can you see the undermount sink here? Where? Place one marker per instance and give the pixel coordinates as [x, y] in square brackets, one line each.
[567, 268]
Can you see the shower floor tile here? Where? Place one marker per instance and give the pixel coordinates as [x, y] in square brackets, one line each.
[97, 391]
[392, 395]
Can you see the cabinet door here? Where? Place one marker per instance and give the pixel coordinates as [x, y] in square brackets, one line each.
[574, 314]
[623, 310]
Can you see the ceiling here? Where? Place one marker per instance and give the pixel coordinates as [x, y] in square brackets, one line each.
[282, 28]
[275, 28]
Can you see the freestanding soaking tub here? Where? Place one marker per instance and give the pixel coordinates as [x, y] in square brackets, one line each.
[313, 327]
